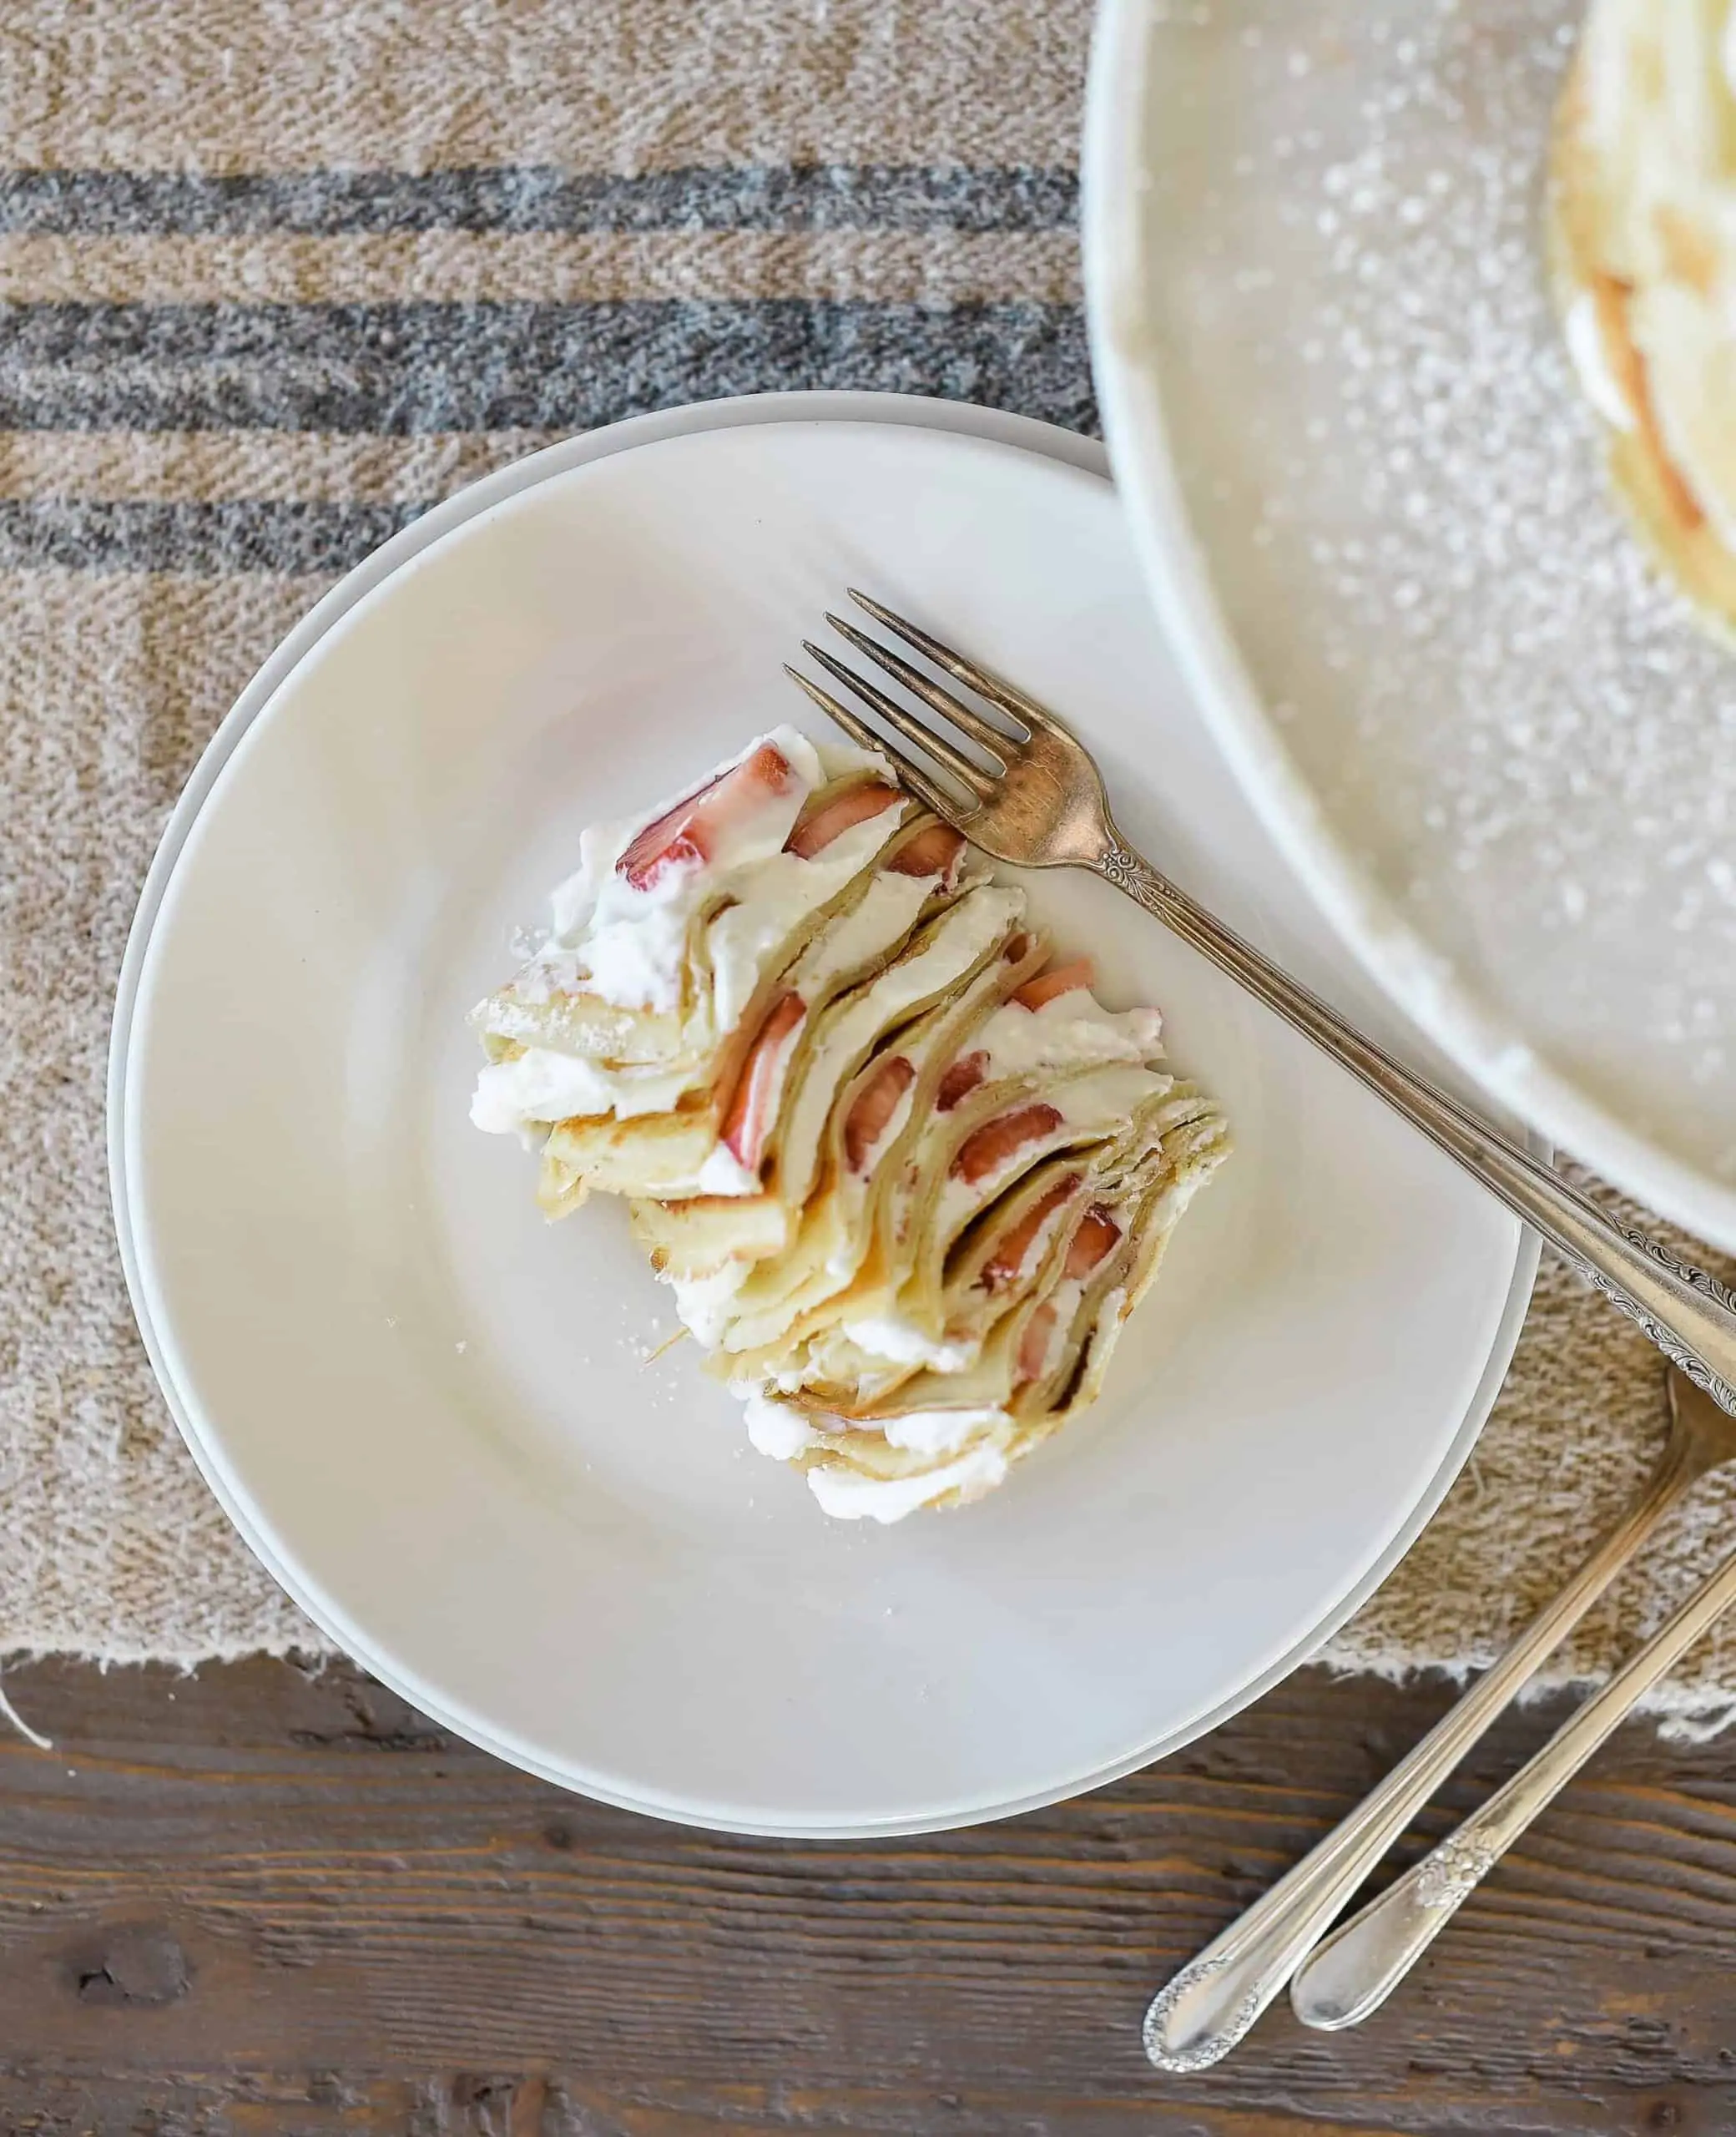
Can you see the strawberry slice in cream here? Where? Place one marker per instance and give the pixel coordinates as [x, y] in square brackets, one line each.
[694, 830]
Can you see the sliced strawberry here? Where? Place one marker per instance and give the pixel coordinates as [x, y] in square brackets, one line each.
[873, 1107]
[935, 851]
[818, 827]
[959, 1080]
[1095, 1238]
[1034, 1344]
[1049, 986]
[1008, 1258]
[689, 833]
[999, 1140]
[753, 1107]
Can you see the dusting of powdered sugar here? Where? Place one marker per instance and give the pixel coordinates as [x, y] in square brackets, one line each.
[1514, 725]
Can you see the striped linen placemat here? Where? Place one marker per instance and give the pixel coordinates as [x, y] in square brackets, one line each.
[274, 280]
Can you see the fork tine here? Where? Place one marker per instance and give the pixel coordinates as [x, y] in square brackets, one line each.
[969, 776]
[991, 740]
[911, 775]
[1024, 711]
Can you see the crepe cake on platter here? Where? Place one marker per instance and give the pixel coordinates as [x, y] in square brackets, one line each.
[1642, 250]
[905, 1175]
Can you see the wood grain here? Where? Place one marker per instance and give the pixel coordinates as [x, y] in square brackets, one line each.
[267, 1901]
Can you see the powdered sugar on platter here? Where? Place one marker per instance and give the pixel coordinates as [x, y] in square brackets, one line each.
[1516, 731]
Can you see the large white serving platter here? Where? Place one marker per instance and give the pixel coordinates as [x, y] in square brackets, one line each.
[1367, 496]
[434, 1416]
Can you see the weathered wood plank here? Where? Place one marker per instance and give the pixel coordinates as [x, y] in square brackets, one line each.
[265, 1901]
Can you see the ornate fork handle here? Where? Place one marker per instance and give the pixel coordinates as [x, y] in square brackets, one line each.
[1354, 1970]
[1203, 2011]
[1688, 1314]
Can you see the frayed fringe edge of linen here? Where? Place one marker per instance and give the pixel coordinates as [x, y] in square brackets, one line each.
[1682, 1714]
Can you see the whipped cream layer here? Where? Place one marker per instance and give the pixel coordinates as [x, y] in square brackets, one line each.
[690, 939]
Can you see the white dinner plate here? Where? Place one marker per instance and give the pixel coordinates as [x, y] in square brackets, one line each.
[1368, 495]
[435, 1417]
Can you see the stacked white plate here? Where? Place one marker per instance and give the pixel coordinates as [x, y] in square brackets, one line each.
[439, 1421]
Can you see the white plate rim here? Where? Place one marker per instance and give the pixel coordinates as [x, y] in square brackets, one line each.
[1484, 1044]
[1023, 433]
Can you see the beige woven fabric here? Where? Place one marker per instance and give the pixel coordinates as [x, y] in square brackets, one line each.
[276, 278]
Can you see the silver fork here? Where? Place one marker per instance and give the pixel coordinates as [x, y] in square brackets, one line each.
[1037, 800]
[1033, 796]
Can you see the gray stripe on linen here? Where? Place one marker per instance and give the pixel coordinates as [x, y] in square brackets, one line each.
[403, 368]
[537, 197]
[266, 534]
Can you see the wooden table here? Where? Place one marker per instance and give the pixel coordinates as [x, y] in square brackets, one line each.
[266, 1900]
